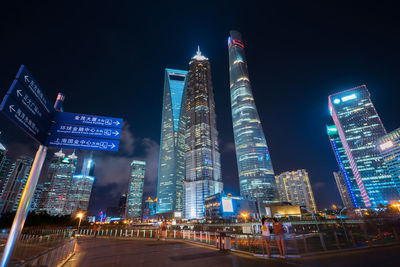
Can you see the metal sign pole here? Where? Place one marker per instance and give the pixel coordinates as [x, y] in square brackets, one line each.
[26, 197]
[24, 204]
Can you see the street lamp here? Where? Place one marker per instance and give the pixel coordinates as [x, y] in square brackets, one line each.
[397, 205]
[244, 216]
[313, 215]
[80, 216]
[341, 220]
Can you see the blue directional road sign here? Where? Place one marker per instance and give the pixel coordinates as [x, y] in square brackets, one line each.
[88, 120]
[83, 143]
[85, 131]
[36, 111]
[13, 110]
[26, 78]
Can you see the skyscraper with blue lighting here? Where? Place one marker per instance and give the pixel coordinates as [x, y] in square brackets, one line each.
[389, 147]
[345, 180]
[134, 197]
[359, 128]
[171, 159]
[81, 188]
[256, 175]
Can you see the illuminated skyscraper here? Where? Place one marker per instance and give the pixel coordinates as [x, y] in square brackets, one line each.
[359, 128]
[295, 187]
[171, 161]
[202, 158]
[344, 190]
[135, 193]
[81, 188]
[14, 184]
[345, 180]
[256, 175]
[389, 146]
[60, 173]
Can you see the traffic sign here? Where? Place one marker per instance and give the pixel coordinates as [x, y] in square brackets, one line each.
[13, 110]
[82, 143]
[88, 120]
[20, 94]
[26, 78]
[85, 131]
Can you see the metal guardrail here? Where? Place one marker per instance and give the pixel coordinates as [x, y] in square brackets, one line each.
[296, 244]
[53, 257]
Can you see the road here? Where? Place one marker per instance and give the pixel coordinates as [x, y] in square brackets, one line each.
[120, 252]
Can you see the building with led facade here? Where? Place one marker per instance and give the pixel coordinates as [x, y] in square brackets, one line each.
[295, 187]
[343, 189]
[256, 175]
[202, 157]
[81, 188]
[359, 128]
[344, 178]
[14, 184]
[171, 160]
[389, 147]
[135, 192]
[5, 164]
[60, 174]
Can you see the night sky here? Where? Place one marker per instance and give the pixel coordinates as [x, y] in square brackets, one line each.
[108, 58]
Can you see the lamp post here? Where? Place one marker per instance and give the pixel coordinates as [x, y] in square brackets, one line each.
[80, 216]
[341, 220]
[397, 205]
[244, 215]
[313, 215]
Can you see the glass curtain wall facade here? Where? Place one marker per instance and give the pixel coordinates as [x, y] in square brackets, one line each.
[135, 193]
[171, 161]
[202, 157]
[343, 189]
[14, 184]
[359, 128]
[389, 147]
[256, 175]
[60, 173]
[352, 192]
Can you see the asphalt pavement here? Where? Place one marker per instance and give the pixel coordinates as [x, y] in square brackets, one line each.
[128, 252]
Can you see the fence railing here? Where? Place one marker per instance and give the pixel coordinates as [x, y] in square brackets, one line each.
[296, 243]
[54, 256]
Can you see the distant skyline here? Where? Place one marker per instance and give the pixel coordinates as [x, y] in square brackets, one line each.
[109, 59]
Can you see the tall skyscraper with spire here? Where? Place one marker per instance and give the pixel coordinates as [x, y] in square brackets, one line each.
[256, 175]
[171, 160]
[202, 157]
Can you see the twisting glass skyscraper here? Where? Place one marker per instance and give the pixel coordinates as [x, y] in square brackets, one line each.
[202, 157]
[359, 128]
[256, 175]
[171, 162]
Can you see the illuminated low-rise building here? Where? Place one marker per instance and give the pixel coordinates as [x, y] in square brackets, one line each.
[294, 187]
[389, 146]
[226, 206]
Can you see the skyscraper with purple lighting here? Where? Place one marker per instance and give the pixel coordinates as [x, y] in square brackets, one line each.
[359, 128]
